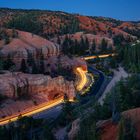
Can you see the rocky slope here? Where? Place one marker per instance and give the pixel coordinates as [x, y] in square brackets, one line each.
[62, 23]
[111, 131]
[54, 24]
[37, 89]
[100, 28]
[14, 85]
[26, 45]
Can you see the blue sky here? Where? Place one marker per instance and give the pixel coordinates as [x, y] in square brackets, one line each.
[119, 9]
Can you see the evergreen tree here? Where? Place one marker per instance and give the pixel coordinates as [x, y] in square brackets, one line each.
[121, 130]
[93, 47]
[130, 57]
[67, 107]
[14, 33]
[42, 65]
[82, 46]
[1, 64]
[6, 40]
[47, 134]
[30, 59]
[8, 63]
[103, 46]
[23, 66]
[127, 130]
[76, 47]
[58, 40]
[34, 68]
[26, 22]
[86, 45]
[118, 40]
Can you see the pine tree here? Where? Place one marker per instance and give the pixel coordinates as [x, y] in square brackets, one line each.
[34, 67]
[82, 46]
[6, 40]
[14, 33]
[67, 107]
[8, 63]
[42, 65]
[1, 64]
[58, 40]
[121, 130]
[23, 66]
[93, 47]
[86, 44]
[103, 46]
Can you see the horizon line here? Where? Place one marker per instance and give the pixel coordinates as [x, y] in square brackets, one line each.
[37, 9]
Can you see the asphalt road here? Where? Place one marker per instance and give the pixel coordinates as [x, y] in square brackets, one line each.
[51, 113]
[53, 109]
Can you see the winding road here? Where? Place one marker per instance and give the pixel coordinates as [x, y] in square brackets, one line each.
[82, 78]
[40, 108]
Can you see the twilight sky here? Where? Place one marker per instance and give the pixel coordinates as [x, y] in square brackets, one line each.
[119, 9]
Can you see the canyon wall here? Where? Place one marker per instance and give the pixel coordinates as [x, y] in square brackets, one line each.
[15, 85]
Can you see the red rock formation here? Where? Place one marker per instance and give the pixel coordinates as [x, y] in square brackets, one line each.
[14, 85]
[54, 22]
[27, 43]
[41, 89]
[102, 28]
[109, 131]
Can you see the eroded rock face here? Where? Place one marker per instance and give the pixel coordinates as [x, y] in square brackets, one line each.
[28, 45]
[39, 88]
[14, 85]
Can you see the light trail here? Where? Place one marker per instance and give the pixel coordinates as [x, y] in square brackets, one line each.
[82, 81]
[33, 111]
[99, 56]
[80, 85]
[83, 78]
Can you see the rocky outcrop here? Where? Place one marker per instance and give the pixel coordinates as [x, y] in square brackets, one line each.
[14, 85]
[26, 46]
[27, 91]
[74, 130]
[110, 131]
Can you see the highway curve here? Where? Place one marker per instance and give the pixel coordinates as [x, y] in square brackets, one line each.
[48, 105]
[32, 111]
[82, 78]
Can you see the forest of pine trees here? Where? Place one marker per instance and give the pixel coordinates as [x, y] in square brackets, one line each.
[123, 97]
[31, 66]
[26, 22]
[70, 47]
[27, 128]
[83, 47]
[130, 57]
